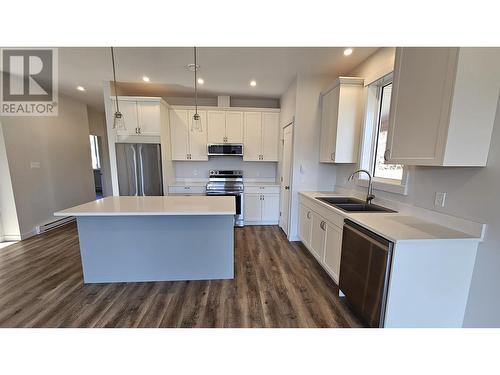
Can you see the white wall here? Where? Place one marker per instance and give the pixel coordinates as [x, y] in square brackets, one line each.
[307, 173]
[97, 126]
[472, 193]
[192, 170]
[61, 145]
[9, 226]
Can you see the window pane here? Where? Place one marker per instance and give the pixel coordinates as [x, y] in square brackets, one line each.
[94, 152]
[381, 169]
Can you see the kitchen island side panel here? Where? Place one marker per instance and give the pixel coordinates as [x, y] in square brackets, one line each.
[156, 248]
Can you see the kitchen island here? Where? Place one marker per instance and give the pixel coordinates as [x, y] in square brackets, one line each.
[133, 239]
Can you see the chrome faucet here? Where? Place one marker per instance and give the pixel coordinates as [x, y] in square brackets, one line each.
[369, 195]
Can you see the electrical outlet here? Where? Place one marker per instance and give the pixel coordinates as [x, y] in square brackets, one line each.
[440, 199]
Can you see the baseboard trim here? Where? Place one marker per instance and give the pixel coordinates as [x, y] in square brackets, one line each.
[9, 238]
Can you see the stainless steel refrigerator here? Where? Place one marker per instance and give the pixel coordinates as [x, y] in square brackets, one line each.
[139, 169]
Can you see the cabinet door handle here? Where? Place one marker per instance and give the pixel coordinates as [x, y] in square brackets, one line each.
[287, 187]
[322, 225]
[308, 214]
[387, 154]
[332, 155]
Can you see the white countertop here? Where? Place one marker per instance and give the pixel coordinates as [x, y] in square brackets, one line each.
[151, 206]
[394, 226]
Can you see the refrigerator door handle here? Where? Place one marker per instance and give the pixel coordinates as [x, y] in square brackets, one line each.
[135, 174]
[141, 171]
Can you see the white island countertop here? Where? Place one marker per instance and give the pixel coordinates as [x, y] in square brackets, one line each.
[154, 206]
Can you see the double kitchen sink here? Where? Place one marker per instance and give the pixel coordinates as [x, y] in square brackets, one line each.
[352, 204]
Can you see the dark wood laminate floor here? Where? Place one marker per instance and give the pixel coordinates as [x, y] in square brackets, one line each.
[277, 284]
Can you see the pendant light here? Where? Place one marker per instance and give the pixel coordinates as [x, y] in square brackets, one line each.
[196, 124]
[118, 120]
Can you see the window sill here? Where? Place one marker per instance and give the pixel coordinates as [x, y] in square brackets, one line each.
[390, 187]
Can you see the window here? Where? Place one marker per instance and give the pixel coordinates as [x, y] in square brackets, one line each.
[94, 152]
[380, 168]
[388, 177]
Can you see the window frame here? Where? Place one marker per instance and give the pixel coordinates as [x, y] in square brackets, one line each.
[369, 137]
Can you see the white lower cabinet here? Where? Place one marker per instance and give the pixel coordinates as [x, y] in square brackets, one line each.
[322, 238]
[333, 249]
[318, 236]
[261, 208]
[305, 218]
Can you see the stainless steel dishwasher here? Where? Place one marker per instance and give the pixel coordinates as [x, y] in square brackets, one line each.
[364, 272]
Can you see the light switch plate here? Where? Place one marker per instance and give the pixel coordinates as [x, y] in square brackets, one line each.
[35, 165]
[440, 199]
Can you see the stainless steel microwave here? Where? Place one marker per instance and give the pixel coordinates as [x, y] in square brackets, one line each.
[230, 149]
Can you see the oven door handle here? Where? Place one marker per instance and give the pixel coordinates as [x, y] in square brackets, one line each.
[224, 192]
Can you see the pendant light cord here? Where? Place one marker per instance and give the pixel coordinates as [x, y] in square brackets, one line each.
[114, 78]
[195, 83]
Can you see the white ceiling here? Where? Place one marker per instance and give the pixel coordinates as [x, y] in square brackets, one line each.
[226, 71]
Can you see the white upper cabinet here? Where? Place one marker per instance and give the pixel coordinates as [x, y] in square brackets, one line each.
[129, 111]
[179, 134]
[443, 106]
[225, 127]
[252, 138]
[270, 136]
[234, 127]
[341, 116]
[216, 126]
[198, 139]
[261, 136]
[187, 144]
[149, 121]
[141, 117]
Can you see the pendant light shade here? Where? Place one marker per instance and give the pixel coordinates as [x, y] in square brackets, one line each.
[196, 124]
[118, 120]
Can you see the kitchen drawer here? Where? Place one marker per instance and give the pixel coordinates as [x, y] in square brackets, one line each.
[187, 189]
[262, 189]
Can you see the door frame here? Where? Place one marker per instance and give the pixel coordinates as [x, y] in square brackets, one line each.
[282, 195]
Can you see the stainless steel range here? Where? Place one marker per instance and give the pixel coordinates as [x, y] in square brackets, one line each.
[228, 183]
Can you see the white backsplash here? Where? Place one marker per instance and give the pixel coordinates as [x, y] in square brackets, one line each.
[195, 171]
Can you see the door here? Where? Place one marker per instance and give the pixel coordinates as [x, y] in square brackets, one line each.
[216, 126]
[129, 111]
[179, 134]
[253, 207]
[149, 170]
[318, 235]
[126, 168]
[305, 221]
[252, 138]
[198, 139]
[286, 177]
[333, 249]
[270, 207]
[149, 118]
[270, 136]
[234, 127]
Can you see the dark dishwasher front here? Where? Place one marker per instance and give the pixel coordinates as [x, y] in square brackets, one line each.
[364, 272]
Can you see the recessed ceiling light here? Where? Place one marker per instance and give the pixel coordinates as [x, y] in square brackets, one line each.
[348, 51]
[201, 81]
[253, 83]
[80, 88]
[145, 79]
